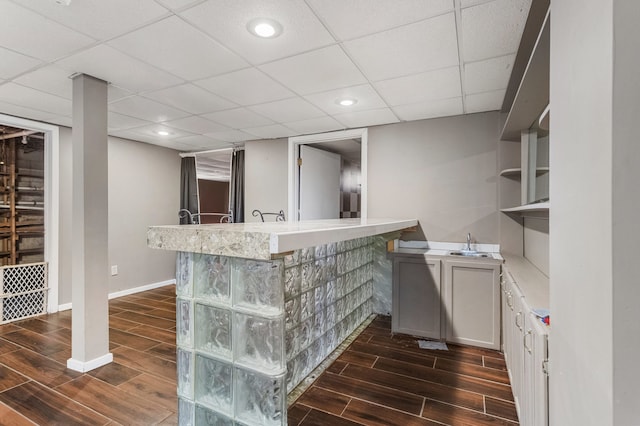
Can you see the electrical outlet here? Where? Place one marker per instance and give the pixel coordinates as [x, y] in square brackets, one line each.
[114, 270]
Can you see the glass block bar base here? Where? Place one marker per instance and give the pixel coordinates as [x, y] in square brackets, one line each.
[249, 331]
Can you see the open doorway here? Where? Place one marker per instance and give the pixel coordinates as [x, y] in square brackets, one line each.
[29, 217]
[213, 170]
[348, 176]
[334, 184]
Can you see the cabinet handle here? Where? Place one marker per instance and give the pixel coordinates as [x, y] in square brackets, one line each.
[524, 340]
[509, 300]
[519, 315]
[545, 367]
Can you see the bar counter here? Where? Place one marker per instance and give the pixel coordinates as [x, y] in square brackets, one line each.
[260, 305]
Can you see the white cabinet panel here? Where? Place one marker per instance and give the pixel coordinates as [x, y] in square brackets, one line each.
[472, 303]
[416, 296]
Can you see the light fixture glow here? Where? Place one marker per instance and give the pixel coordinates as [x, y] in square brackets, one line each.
[162, 133]
[346, 102]
[264, 28]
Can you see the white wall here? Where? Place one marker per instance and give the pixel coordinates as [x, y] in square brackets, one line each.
[442, 172]
[144, 185]
[626, 205]
[265, 177]
[581, 347]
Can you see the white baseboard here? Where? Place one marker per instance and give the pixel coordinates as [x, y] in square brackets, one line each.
[84, 366]
[121, 293]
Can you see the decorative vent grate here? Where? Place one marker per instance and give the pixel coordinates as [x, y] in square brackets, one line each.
[24, 291]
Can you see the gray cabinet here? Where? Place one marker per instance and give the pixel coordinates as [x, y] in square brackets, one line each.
[472, 302]
[416, 296]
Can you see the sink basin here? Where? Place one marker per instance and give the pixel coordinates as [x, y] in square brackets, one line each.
[467, 253]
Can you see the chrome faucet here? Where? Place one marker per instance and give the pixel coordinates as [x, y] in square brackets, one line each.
[468, 242]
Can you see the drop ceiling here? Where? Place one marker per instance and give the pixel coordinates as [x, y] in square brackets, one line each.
[191, 68]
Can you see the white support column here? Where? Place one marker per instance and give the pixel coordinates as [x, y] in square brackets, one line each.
[89, 271]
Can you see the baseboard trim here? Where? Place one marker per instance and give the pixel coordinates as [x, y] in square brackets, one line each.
[121, 293]
[83, 367]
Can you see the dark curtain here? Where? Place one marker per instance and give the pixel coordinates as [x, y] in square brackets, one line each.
[236, 197]
[188, 188]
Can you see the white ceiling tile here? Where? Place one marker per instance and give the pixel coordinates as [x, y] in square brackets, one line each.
[367, 118]
[488, 101]
[318, 71]
[31, 98]
[12, 63]
[366, 96]
[151, 139]
[314, 125]
[203, 142]
[440, 84]
[424, 46]
[50, 41]
[294, 109]
[271, 132]
[177, 47]
[25, 112]
[115, 93]
[246, 87]
[60, 120]
[108, 64]
[231, 136]
[468, 3]
[151, 131]
[238, 118]
[195, 124]
[488, 75]
[429, 109]
[146, 109]
[357, 18]
[493, 29]
[226, 21]
[190, 98]
[98, 18]
[122, 122]
[178, 4]
[50, 79]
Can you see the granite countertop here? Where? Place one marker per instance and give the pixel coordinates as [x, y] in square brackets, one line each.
[263, 240]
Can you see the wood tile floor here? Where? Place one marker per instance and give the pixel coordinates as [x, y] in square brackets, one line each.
[138, 388]
[380, 380]
[384, 379]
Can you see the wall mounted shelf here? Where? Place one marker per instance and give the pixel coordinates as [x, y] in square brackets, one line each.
[514, 173]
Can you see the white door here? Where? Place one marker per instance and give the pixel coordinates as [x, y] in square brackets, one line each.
[319, 173]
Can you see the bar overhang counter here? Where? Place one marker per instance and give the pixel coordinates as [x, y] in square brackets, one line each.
[260, 305]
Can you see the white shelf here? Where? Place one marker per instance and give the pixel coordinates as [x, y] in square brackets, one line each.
[543, 123]
[533, 93]
[515, 172]
[528, 208]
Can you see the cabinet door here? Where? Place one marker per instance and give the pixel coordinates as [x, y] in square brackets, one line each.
[416, 297]
[539, 386]
[472, 303]
[516, 328]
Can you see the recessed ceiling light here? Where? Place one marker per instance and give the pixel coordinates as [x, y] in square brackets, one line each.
[64, 2]
[347, 102]
[162, 133]
[264, 28]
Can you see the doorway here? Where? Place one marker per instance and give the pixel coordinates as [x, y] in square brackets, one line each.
[213, 171]
[350, 193]
[35, 189]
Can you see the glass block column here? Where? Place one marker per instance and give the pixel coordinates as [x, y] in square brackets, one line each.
[249, 331]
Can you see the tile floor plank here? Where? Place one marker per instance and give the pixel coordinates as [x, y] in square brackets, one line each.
[296, 413]
[320, 418]
[164, 350]
[38, 367]
[114, 373]
[130, 340]
[370, 392]
[146, 319]
[376, 415]
[6, 346]
[500, 408]
[142, 361]
[324, 400]
[165, 336]
[152, 388]
[480, 372]
[10, 417]
[44, 406]
[9, 378]
[113, 402]
[37, 326]
[36, 342]
[457, 416]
